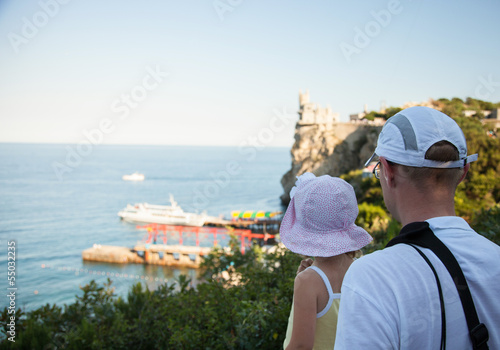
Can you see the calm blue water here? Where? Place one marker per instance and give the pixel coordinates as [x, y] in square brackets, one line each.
[53, 218]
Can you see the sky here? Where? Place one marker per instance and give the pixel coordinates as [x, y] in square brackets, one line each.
[228, 72]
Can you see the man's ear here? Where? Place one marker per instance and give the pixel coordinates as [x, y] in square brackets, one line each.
[388, 172]
[465, 170]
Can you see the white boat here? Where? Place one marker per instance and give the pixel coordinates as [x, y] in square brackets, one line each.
[161, 214]
[133, 177]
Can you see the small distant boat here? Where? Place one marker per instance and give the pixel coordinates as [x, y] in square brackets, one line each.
[161, 214]
[133, 177]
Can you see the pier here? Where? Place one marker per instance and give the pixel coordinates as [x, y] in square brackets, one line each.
[174, 255]
[256, 226]
[256, 221]
[164, 245]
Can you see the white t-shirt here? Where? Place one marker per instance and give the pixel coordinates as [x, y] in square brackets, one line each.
[390, 298]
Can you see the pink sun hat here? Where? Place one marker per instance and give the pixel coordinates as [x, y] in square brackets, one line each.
[320, 218]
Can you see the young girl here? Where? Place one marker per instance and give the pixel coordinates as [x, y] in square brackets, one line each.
[319, 222]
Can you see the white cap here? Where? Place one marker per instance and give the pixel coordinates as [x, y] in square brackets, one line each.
[406, 137]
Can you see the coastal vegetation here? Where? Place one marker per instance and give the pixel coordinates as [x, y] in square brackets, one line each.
[245, 300]
[248, 309]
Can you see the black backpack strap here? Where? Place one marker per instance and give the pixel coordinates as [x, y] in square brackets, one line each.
[441, 299]
[419, 233]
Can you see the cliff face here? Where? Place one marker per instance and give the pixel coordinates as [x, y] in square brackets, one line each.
[332, 149]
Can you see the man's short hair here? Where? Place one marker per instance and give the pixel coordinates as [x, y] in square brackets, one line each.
[442, 151]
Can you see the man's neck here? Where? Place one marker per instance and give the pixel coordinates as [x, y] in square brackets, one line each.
[416, 205]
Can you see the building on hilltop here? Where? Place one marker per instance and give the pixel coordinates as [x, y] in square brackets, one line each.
[471, 113]
[429, 103]
[358, 117]
[495, 114]
[493, 120]
[311, 113]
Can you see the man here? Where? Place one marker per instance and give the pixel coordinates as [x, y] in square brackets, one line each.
[390, 298]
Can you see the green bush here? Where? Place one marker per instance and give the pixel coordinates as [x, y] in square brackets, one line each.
[249, 310]
[487, 223]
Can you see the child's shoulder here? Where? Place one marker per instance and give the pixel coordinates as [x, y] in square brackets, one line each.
[308, 277]
[308, 284]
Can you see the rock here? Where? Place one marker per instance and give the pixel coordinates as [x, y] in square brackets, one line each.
[332, 149]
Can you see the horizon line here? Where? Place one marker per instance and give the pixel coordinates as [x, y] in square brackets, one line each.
[125, 144]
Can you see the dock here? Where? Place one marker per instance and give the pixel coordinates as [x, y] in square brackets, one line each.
[163, 245]
[153, 254]
[266, 222]
[111, 254]
[271, 226]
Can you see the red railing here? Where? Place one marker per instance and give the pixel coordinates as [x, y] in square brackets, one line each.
[156, 232]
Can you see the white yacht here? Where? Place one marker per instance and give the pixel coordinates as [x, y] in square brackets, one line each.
[161, 214]
[133, 177]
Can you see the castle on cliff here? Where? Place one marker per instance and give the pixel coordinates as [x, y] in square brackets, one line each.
[311, 113]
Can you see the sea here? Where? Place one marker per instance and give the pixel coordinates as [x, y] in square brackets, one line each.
[57, 200]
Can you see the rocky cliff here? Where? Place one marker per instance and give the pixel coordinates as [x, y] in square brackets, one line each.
[332, 149]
